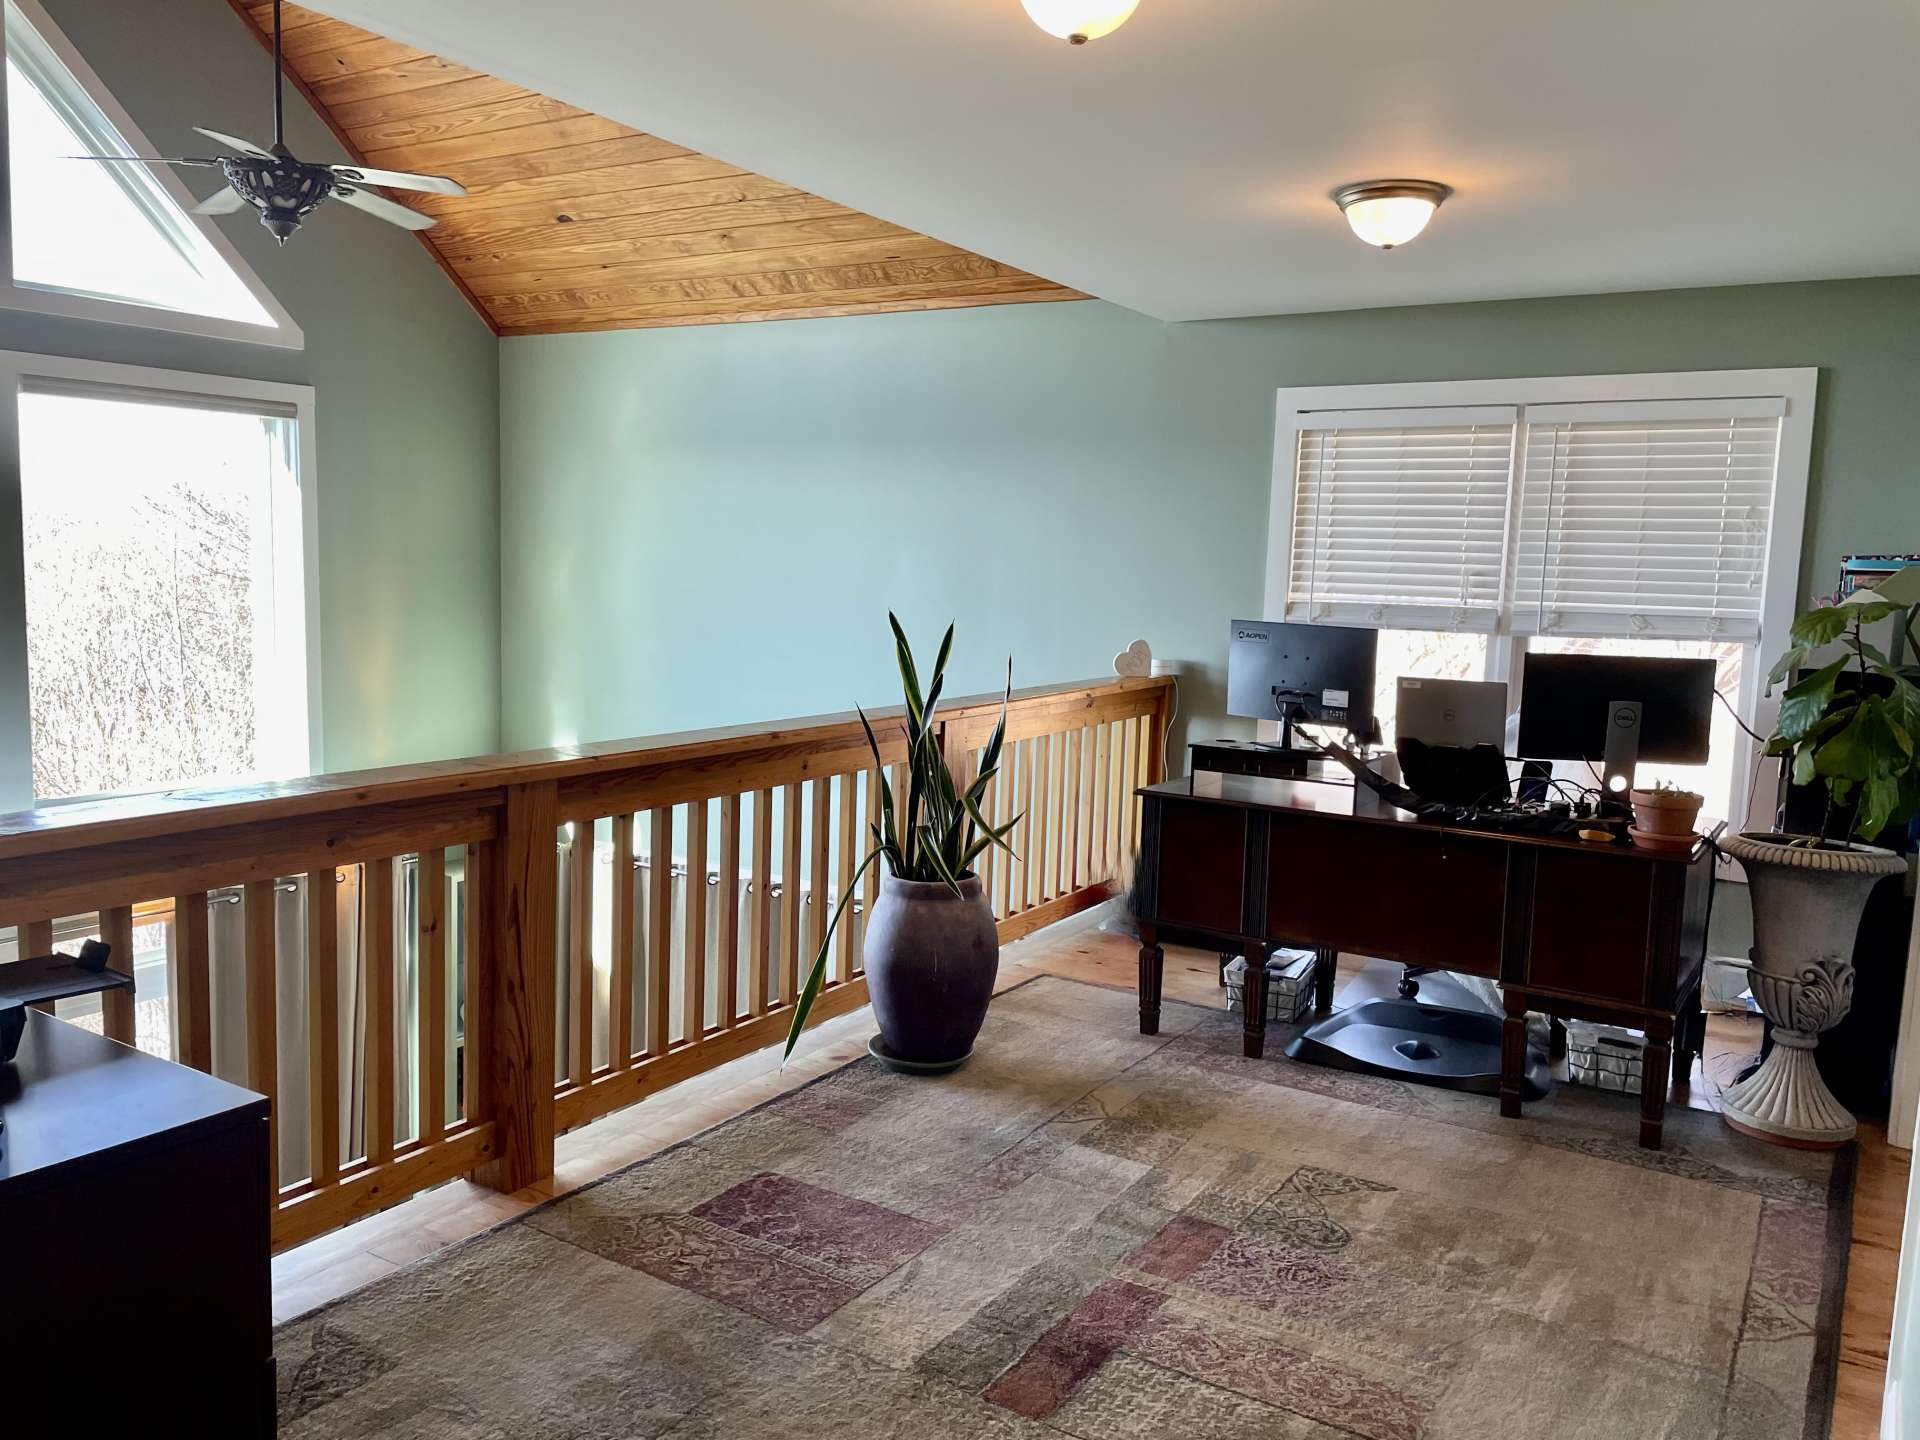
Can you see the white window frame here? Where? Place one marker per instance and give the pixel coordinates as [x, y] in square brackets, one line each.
[283, 332]
[1302, 407]
[16, 368]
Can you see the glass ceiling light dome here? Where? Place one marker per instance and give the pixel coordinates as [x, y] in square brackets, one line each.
[1387, 213]
[1079, 21]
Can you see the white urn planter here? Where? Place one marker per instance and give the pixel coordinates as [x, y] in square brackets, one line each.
[1807, 904]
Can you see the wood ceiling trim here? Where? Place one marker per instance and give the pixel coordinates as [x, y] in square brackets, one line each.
[813, 312]
[576, 222]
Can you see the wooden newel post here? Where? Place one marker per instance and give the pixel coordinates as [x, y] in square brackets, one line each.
[510, 1037]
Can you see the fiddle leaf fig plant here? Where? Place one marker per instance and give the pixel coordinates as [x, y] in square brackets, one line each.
[1861, 743]
[941, 829]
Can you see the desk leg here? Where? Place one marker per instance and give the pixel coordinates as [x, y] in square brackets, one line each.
[1513, 1052]
[1689, 1038]
[1153, 964]
[1326, 964]
[1653, 1082]
[1253, 1002]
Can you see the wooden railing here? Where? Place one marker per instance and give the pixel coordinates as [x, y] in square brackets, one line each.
[434, 969]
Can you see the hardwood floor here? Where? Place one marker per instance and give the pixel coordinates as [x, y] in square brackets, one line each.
[326, 1268]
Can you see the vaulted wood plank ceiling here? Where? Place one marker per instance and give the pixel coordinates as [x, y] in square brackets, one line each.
[575, 222]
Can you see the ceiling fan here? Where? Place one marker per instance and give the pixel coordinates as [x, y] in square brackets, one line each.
[286, 190]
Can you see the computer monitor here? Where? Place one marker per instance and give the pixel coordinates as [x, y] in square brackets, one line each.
[1566, 706]
[1450, 712]
[1319, 674]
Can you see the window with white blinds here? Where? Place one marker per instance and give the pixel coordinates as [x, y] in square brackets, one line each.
[1400, 517]
[1646, 518]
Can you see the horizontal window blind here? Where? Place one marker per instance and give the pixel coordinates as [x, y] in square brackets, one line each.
[1400, 518]
[1645, 518]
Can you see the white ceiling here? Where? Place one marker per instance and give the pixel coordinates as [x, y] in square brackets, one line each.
[1182, 165]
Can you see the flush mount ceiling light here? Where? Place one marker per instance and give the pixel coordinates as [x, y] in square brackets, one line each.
[1079, 21]
[1390, 212]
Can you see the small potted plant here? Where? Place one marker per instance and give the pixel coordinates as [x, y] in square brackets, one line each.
[1853, 724]
[1665, 813]
[931, 948]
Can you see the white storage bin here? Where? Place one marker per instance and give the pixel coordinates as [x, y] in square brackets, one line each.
[1605, 1056]
[1289, 984]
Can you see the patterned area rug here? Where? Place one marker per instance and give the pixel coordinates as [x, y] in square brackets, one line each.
[1090, 1232]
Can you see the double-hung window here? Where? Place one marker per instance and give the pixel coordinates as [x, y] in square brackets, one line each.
[1474, 522]
[161, 632]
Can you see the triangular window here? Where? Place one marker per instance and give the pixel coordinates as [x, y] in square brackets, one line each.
[86, 232]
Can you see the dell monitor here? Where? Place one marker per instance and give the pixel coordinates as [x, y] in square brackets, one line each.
[1617, 709]
[1317, 674]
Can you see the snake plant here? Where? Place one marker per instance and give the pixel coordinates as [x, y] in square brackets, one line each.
[941, 829]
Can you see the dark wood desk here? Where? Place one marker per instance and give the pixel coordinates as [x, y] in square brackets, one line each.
[133, 1222]
[1608, 933]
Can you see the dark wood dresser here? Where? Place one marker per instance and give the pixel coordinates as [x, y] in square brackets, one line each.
[135, 1295]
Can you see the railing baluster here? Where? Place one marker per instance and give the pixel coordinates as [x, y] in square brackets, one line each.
[376, 951]
[760, 950]
[1099, 844]
[1123, 795]
[693, 974]
[1137, 778]
[323, 1025]
[659, 928]
[900, 803]
[791, 896]
[1063, 814]
[1002, 813]
[430, 879]
[1074, 867]
[263, 1044]
[620, 963]
[1024, 807]
[192, 1010]
[487, 871]
[849, 816]
[36, 939]
[117, 1010]
[728, 955]
[870, 883]
[817, 877]
[1037, 829]
[580, 953]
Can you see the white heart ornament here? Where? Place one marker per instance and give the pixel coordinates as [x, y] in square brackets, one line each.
[1136, 659]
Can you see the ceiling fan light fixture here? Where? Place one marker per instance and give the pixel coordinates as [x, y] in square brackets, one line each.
[1078, 21]
[1386, 213]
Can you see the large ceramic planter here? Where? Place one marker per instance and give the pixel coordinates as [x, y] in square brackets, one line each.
[1806, 913]
[930, 957]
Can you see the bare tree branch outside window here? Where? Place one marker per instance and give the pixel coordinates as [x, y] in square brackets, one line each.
[142, 578]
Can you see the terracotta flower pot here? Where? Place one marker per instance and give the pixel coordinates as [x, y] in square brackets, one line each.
[931, 957]
[1665, 812]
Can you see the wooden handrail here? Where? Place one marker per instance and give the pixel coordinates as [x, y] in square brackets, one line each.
[171, 812]
[501, 841]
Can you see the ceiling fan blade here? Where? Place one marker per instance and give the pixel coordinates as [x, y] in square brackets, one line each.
[400, 179]
[233, 142]
[221, 202]
[388, 210]
[139, 160]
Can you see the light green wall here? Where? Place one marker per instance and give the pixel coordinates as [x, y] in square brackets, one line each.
[407, 385]
[707, 525]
